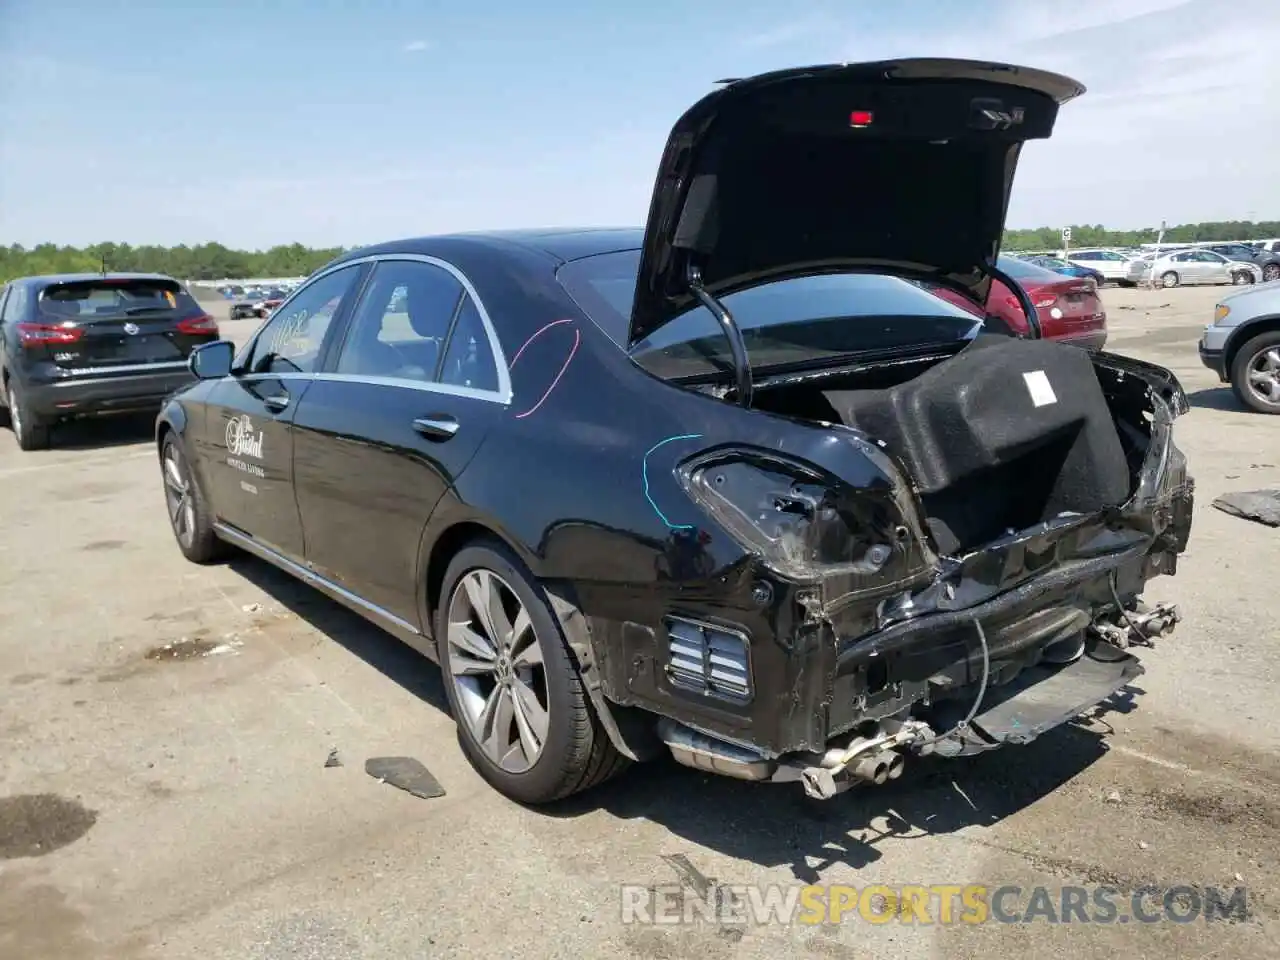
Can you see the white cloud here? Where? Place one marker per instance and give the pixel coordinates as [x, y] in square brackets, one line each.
[416, 46]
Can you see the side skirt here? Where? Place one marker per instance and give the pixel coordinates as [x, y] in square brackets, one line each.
[398, 628]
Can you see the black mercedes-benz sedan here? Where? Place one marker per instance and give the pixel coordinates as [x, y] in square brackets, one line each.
[733, 486]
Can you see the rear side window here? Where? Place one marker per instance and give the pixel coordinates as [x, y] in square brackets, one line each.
[16, 305]
[108, 297]
[469, 361]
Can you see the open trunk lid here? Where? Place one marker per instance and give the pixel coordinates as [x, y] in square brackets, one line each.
[899, 167]
[110, 323]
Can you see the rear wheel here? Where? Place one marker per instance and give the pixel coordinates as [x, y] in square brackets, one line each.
[1241, 277]
[1271, 271]
[189, 515]
[1255, 373]
[1169, 279]
[32, 432]
[524, 719]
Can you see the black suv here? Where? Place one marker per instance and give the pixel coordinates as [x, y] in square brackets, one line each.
[1268, 263]
[90, 344]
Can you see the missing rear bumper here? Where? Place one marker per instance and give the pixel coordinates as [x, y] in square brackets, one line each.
[1037, 700]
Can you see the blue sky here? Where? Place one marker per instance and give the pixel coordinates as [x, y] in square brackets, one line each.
[344, 123]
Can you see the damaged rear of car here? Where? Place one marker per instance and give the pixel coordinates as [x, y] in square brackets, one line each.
[943, 553]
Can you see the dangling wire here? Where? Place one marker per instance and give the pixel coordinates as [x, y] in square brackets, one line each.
[963, 725]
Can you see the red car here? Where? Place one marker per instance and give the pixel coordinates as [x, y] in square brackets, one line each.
[1068, 308]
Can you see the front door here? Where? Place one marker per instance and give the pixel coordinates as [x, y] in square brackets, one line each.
[1214, 266]
[247, 441]
[380, 438]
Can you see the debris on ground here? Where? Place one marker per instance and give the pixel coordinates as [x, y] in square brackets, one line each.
[333, 759]
[251, 608]
[1113, 796]
[406, 773]
[1261, 506]
[192, 648]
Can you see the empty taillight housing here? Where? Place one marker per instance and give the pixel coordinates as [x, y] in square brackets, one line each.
[707, 659]
[47, 334]
[198, 325]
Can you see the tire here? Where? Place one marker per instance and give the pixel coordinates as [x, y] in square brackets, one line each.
[570, 749]
[189, 516]
[31, 432]
[1240, 278]
[1270, 272]
[1260, 357]
[1169, 280]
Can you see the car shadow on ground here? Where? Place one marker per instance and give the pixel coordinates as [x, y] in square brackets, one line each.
[388, 655]
[775, 825]
[101, 433]
[767, 824]
[1216, 398]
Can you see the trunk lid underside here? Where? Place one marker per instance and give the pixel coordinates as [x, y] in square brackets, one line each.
[897, 167]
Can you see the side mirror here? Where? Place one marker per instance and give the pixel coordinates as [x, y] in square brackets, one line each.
[212, 361]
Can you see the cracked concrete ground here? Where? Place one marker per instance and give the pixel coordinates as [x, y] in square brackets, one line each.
[164, 731]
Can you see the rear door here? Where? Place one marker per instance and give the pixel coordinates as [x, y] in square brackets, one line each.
[122, 326]
[247, 445]
[402, 408]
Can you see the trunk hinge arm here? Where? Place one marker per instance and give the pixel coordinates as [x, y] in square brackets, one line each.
[737, 345]
[1021, 295]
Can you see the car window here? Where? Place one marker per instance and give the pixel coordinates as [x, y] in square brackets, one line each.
[400, 327]
[787, 321]
[468, 361]
[1208, 256]
[292, 339]
[1084, 256]
[16, 304]
[1025, 270]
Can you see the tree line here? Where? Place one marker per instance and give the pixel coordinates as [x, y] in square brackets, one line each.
[213, 261]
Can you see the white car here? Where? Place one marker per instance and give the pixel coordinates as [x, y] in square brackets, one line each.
[1112, 265]
[1178, 267]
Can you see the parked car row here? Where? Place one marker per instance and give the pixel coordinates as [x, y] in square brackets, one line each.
[1234, 263]
[258, 304]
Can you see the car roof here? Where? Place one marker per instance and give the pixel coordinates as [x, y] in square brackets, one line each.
[49, 279]
[560, 244]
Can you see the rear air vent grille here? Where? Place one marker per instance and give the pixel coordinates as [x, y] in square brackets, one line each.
[708, 659]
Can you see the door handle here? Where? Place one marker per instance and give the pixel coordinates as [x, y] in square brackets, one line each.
[276, 402]
[436, 427]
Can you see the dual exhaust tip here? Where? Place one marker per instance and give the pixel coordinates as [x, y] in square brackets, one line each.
[879, 768]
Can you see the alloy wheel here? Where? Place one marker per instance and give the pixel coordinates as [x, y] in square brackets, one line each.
[178, 496]
[15, 412]
[1271, 271]
[495, 664]
[1264, 375]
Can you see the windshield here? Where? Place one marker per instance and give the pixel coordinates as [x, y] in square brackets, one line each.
[786, 322]
[113, 297]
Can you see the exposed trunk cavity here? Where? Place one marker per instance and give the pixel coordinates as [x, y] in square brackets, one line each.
[1002, 436]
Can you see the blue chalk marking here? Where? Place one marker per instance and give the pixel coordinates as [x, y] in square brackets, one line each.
[644, 473]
